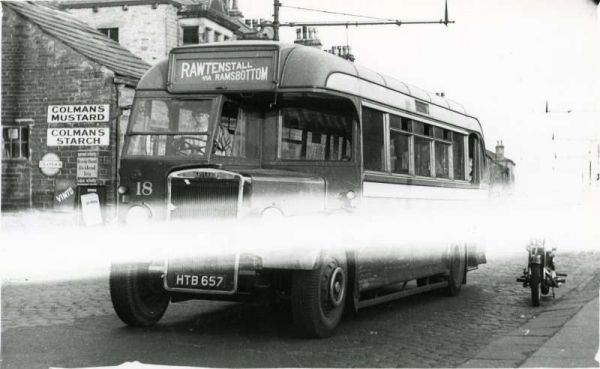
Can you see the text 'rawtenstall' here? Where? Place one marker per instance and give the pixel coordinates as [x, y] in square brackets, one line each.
[199, 74]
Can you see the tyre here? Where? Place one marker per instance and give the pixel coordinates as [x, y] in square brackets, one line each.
[138, 297]
[545, 288]
[536, 278]
[318, 297]
[457, 270]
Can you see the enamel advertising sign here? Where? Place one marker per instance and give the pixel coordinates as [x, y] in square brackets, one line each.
[98, 136]
[233, 71]
[78, 113]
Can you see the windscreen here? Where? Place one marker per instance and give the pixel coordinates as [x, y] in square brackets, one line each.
[163, 127]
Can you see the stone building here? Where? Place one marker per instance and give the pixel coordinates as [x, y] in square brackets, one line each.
[66, 91]
[501, 169]
[151, 28]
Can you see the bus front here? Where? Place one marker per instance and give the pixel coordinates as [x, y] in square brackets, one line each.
[195, 127]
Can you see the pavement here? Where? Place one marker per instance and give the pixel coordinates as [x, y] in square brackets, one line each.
[562, 335]
[574, 345]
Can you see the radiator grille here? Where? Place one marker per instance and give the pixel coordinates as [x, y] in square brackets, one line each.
[204, 197]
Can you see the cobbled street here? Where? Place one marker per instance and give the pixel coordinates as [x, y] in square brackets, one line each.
[72, 324]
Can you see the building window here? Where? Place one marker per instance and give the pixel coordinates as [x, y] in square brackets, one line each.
[112, 33]
[207, 35]
[15, 142]
[191, 35]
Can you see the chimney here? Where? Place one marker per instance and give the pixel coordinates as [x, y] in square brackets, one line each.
[499, 151]
[234, 12]
[308, 37]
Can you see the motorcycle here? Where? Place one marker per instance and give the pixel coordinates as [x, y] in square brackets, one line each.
[540, 273]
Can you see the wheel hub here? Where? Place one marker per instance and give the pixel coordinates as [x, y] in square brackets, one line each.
[336, 286]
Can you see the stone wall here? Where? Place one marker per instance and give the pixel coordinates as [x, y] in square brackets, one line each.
[147, 31]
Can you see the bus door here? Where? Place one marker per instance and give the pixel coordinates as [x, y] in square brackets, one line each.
[383, 257]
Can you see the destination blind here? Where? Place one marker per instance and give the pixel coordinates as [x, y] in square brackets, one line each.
[224, 73]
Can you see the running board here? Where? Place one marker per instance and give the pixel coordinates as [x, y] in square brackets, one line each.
[396, 295]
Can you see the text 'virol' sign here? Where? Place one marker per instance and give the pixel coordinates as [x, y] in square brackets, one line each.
[78, 136]
[78, 113]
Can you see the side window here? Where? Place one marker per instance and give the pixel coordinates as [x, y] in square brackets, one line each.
[400, 143]
[315, 134]
[443, 141]
[416, 148]
[474, 174]
[458, 155]
[423, 132]
[373, 145]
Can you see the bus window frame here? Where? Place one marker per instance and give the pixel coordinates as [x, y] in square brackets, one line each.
[234, 159]
[411, 177]
[215, 110]
[295, 162]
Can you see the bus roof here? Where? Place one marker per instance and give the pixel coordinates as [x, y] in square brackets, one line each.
[300, 66]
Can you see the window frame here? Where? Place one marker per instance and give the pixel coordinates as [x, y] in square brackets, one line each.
[387, 112]
[21, 126]
[410, 137]
[279, 156]
[109, 31]
[197, 33]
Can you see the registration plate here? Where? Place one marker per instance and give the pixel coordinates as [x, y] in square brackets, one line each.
[212, 274]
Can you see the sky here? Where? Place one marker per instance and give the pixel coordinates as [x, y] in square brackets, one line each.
[502, 60]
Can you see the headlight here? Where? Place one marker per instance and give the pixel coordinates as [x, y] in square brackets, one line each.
[271, 213]
[347, 198]
[138, 214]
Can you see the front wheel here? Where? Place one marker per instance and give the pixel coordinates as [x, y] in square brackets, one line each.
[536, 278]
[138, 297]
[318, 297]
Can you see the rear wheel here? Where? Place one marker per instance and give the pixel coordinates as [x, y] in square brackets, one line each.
[318, 297]
[536, 278]
[544, 285]
[457, 270]
[138, 297]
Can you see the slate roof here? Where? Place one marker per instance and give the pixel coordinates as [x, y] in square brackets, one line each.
[104, 3]
[81, 37]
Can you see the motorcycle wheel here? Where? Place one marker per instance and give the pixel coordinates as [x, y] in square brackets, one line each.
[536, 278]
[545, 287]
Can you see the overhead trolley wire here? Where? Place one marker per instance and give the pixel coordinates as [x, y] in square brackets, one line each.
[336, 13]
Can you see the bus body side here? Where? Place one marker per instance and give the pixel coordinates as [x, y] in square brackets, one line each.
[297, 150]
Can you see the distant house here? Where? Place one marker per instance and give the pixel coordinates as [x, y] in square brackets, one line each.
[66, 92]
[501, 168]
[151, 28]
